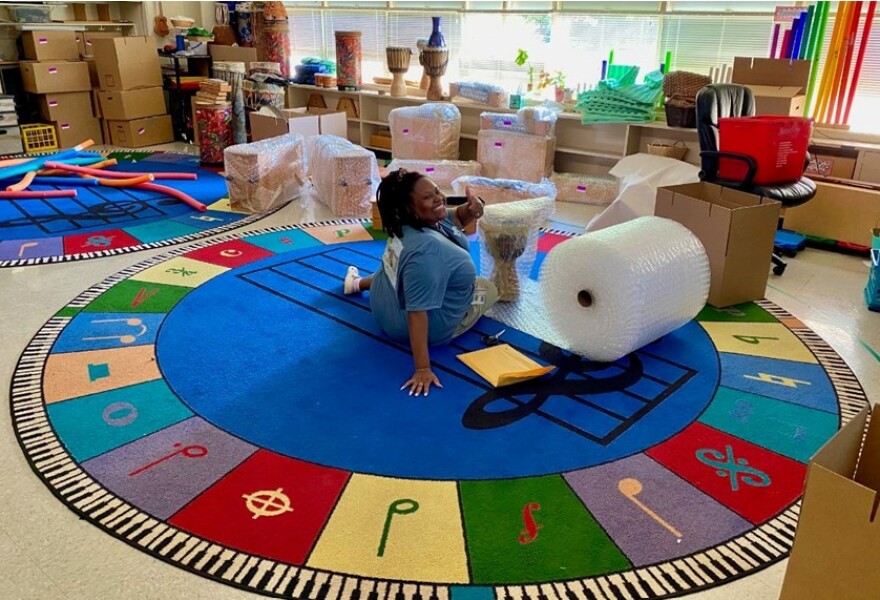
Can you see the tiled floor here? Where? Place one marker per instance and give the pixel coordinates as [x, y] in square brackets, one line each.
[47, 553]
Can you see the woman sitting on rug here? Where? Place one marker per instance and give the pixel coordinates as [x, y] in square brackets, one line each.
[426, 290]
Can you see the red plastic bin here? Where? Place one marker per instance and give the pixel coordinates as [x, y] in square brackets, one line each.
[778, 145]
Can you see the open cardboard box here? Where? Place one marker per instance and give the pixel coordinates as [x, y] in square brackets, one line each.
[779, 85]
[305, 121]
[838, 534]
[736, 229]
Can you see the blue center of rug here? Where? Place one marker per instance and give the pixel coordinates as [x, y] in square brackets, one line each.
[294, 366]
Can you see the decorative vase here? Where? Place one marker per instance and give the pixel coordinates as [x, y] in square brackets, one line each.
[348, 60]
[436, 40]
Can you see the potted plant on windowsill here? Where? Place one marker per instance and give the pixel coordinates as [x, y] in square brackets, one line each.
[522, 58]
[559, 83]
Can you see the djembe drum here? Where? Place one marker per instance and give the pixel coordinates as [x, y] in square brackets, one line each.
[506, 244]
[398, 63]
[435, 61]
[421, 44]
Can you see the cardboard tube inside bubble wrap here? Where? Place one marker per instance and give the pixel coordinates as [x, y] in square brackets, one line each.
[613, 291]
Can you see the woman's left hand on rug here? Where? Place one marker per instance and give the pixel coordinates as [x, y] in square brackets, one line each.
[421, 382]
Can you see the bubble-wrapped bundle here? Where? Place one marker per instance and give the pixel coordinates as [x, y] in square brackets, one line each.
[508, 154]
[497, 191]
[429, 131]
[509, 242]
[345, 176]
[534, 120]
[613, 291]
[586, 189]
[485, 93]
[263, 174]
[441, 172]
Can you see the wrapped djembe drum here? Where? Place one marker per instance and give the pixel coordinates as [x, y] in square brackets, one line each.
[435, 61]
[398, 63]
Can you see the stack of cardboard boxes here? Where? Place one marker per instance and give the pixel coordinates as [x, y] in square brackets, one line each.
[54, 72]
[131, 98]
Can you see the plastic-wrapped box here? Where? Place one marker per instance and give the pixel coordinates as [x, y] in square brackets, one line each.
[345, 176]
[508, 155]
[429, 131]
[263, 174]
[484, 93]
[441, 172]
[496, 191]
[534, 120]
[585, 189]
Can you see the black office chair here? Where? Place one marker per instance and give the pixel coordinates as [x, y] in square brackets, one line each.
[721, 100]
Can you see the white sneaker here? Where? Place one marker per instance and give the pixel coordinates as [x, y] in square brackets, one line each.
[352, 281]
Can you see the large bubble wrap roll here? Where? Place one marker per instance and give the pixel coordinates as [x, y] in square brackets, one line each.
[585, 189]
[496, 191]
[613, 291]
[345, 176]
[441, 172]
[263, 174]
[509, 155]
[534, 120]
[429, 131]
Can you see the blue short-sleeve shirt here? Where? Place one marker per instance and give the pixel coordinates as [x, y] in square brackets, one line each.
[427, 270]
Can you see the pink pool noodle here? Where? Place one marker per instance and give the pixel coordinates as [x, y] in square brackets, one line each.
[44, 194]
[847, 63]
[164, 189]
[117, 174]
[866, 31]
[775, 41]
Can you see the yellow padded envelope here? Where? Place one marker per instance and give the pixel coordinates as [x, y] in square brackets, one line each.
[503, 365]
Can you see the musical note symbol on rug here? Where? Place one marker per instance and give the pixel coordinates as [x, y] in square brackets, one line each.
[125, 339]
[630, 488]
[528, 535]
[25, 246]
[735, 468]
[403, 506]
[187, 451]
[271, 503]
[142, 296]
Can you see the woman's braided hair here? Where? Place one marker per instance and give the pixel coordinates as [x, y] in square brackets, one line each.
[393, 198]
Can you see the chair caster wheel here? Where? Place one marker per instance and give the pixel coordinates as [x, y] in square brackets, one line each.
[779, 269]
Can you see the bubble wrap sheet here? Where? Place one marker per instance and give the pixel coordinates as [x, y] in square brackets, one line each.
[534, 120]
[485, 93]
[613, 291]
[509, 242]
[345, 176]
[441, 172]
[585, 189]
[262, 174]
[496, 191]
[430, 131]
[508, 155]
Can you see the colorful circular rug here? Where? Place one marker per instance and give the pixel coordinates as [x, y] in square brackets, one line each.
[225, 408]
[103, 221]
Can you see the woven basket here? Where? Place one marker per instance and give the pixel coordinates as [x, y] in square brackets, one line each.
[681, 116]
[678, 150]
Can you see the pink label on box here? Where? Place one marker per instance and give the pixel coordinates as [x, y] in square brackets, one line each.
[142, 130]
[53, 102]
[53, 70]
[405, 131]
[507, 123]
[65, 126]
[499, 144]
[581, 188]
[429, 169]
[42, 41]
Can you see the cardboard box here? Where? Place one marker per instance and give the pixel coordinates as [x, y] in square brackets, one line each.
[141, 132]
[837, 212]
[219, 52]
[837, 543]
[779, 85]
[868, 167]
[105, 131]
[96, 103]
[88, 40]
[94, 80]
[49, 45]
[75, 131]
[304, 121]
[839, 163]
[132, 104]
[737, 230]
[127, 63]
[65, 107]
[54, 77]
